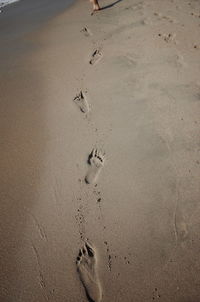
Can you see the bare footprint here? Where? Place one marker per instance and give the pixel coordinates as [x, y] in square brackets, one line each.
[82, 102]
[161, 17]
[87, 268]
[86, 31]
[196, 46]
[96, 57]
[168, 37]
[96, 162]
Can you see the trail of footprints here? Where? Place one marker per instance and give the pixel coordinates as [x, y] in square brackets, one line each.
[86, 261]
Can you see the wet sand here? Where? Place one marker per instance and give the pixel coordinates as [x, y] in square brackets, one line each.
[100, 156]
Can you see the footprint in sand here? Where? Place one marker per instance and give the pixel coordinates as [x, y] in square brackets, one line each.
[87, 268]
[82, 102]
[86, 32]
[161, 17]
[181, 231]
[96, 162]
[96, 57]
[168, 37]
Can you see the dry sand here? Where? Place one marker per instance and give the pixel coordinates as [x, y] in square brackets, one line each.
[124, 82]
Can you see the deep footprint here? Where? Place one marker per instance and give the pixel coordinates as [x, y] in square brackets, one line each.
[96, 162]
[96, 57]
[87, 268]
[82, 102]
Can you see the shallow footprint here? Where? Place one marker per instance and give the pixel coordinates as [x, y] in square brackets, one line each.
[96, 162]
[82, 102]
[86, 31]
[96, 57]
[168, 37]
[87, 268]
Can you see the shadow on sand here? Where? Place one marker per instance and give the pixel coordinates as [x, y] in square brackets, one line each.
[111, 5]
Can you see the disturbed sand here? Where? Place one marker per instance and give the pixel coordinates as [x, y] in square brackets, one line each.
[100, 156]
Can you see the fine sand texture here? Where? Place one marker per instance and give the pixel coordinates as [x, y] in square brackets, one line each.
[100, 155]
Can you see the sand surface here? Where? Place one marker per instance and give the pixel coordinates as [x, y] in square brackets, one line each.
[124, 83]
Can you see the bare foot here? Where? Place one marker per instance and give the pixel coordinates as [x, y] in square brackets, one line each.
[96, 6]
[87, 268]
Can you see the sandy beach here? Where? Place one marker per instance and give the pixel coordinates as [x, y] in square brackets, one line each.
[100, 155]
